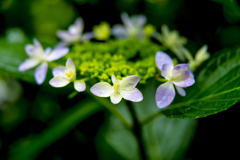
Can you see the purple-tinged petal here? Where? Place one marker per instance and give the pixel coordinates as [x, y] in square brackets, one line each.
[27, 64]
[114, 79]
[47, 51]
[134, 95]
[126, 20]
[185, 83]
[87, 36]
[163, 58]
[128, 83]
[102, 89]
[59, 71]
[180, 72]
[33, 50]
[191, 73]
[115, 98]
[65, 36]
[119, 32]
[181, 91]
[70, 64]
[57, 53]
[139, 20]
[37, 43]
[40, 73]
[165, 94]
[58, 82]
[79, 85]
[61, 45]
[167, 71]
[77, 27]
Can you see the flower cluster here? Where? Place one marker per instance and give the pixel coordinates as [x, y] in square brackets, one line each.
[126, 62]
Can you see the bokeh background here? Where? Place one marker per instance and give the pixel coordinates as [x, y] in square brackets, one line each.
[212, 22]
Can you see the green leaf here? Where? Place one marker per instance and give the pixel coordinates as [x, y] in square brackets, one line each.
[29, 147]
[168, 139]
[115, 141]
[216, 89]
[12, 55]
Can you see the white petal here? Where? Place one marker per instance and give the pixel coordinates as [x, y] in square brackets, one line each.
[77, 27]
[162, 58]
[79, 85]
[167, 71]
[70, 64]
[59, 71]
[47, 51]
[57, 53]
[119, 31]
[134, 95]
[181, 91]
[115, 98]
[102, 89]
[27, 64]
[87, 36]
[58, 82]
[126, 20]
[114, 79]
[40, 73]
[202, 54]
[128, 83]
[165, 94]
[37, 43]
[65, 36]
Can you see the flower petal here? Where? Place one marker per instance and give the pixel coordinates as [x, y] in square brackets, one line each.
[40, 73]
[115, 98]
[79, 85]
[65, 36]
[163, 58]
[128, 83]
[70, 64]
[102, 89]
[126, 20]
[165, 94]
[58, 82]
[57, 53]
[180, 72]
[37, 43]
[114, 79]
[59, 71]
[87, 36]
[167, 71]
[77, 27]
[27, 64]
[181, 91]
[119, 31]
[47, 51]
[185, 83]
[134, 95]
[139, 20]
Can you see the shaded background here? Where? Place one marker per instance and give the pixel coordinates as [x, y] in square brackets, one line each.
[215, 23]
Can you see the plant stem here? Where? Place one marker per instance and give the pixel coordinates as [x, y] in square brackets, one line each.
[150, 118]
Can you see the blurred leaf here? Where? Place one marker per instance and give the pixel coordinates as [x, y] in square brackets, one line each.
[115, 141]
[29, 147]
[168, 139]
[12, 55]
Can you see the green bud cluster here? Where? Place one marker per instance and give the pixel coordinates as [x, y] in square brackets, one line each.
[119, 57]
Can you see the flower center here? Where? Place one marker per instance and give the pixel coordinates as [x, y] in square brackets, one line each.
[70, 75]
[116, 86]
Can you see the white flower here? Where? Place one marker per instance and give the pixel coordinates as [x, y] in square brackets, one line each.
[124, 88]
[178, 76]
[171, 40]
[132, 27]
[74, 34]
[201, 56]
[64, 75]
[39, 56]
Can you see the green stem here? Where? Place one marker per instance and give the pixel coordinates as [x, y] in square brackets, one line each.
[31, 146]
[161, 79]
[106, 103]
[150, 118]
[73, 94]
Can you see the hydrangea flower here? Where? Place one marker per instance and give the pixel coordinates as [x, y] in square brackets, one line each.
[39, 56]
[74, 34]
[132, 27]
[178, 76]
[171, 40]
[62, 76]
[124, 88]
[201, 56]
